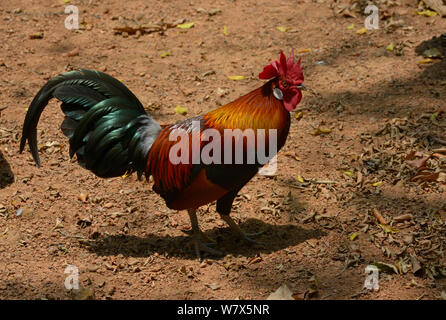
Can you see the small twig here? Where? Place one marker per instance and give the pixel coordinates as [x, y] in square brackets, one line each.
[323, 181]
[70, 236]
[358, 294]
[347, 261]
[309, 217]
[439, 150]
[421, 297]
[301, 109]
[292, 185]
[326, 296]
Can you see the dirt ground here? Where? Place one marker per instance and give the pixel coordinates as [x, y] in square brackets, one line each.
[369, 190]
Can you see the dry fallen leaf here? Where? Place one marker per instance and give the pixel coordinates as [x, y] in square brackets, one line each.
[426, 176]
[299, 115]
[320, 131]
[428, 60]
[254, 260]
[349, 173]
[181, 110]
[377, 184]
[186, 25]
[165, 54]
[282, 293]
[353, 236]
[58, 224]
[388, 229]
[416, 160]
[38, 35]
[212, 286]
[282, 29]
[379, 216]
[361, 31]
[83, 197]
[236, 77]
[426, 13]
[385, 267]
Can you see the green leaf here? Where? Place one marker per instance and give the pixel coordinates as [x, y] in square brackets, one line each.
[434, 116]
[349, 173]
[236, 77]
[353, 236]
[390, 47]
[180, 110]
[320, 131]
[282, 29]
[165, 54]
[361, 31]
[388, 229]
[186, 25]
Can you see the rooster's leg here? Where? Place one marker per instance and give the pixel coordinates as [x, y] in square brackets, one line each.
[239, 232]
[197, 235]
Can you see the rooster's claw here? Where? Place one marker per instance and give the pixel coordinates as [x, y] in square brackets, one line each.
[201, 247]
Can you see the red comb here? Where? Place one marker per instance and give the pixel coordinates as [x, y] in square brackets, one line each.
[287, 69]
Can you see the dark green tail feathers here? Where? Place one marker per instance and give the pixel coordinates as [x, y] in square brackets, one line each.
[109, 130]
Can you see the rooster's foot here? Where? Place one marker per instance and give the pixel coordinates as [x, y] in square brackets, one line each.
[247, 237]
[208, 240]
[201, 247]
[197, 234]
[239, 232]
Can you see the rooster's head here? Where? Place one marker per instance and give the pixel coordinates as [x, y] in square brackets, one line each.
[288, 79]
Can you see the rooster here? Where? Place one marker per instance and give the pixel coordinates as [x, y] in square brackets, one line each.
[112, 135]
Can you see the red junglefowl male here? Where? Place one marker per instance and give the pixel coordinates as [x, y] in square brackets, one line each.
[111, 135]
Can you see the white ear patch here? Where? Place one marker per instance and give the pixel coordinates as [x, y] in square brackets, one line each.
[278, 93]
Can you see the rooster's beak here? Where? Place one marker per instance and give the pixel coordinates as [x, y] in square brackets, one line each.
[301, 87]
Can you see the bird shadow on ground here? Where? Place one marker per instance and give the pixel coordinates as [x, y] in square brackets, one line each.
[6, 174]
[274, 237]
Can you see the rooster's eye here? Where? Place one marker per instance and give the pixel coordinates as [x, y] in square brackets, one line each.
[284, 84]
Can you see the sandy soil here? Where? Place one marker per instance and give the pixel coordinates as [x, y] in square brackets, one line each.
[318, 213]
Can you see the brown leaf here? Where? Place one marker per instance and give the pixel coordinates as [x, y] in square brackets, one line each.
[426, 176]
[416, 266]
[254, 260]
[378, 216]
[299, 296]
[83, 197]
[417, 160]
[403, 217]
[72, 53]
[282, 293]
